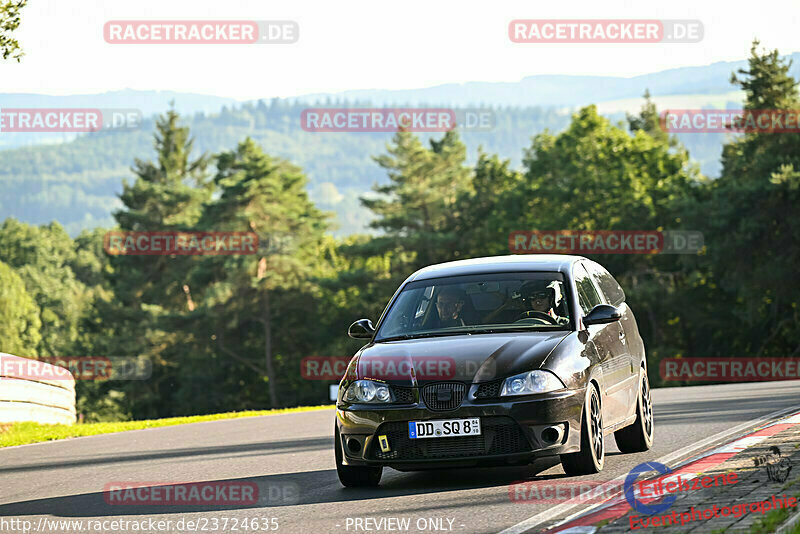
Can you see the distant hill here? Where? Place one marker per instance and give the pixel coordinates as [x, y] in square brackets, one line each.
[533, 91]
[76, 179]
[77, 182]
[560, 90]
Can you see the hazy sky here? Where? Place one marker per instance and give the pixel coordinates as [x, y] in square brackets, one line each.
[366, 44]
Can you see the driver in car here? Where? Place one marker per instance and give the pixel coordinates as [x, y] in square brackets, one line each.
[540, 296]
[536, 297]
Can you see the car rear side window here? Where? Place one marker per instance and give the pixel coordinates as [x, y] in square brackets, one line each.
[608, 285]
[587, 294]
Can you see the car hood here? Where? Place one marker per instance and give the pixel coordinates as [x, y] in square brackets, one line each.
[467, 358]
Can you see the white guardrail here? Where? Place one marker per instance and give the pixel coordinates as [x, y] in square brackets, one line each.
[31, 390]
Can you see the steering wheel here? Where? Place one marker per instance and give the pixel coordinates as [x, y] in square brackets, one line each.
[532, 314]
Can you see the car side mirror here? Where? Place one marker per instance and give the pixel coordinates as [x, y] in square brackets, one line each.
[602, 314]
[361, 329]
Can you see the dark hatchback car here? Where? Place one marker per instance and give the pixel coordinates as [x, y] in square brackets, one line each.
[495, 361]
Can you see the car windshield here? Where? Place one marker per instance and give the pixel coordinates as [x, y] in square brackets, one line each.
[477, 305]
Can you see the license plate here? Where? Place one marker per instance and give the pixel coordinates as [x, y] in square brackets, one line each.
[445, 428]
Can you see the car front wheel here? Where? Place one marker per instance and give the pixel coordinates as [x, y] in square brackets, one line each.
[591, 457]
[353, 476]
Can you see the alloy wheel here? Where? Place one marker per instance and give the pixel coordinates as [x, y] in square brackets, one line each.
[596, 419]
[647, 407]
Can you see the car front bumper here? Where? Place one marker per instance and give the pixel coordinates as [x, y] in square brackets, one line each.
[513, 431]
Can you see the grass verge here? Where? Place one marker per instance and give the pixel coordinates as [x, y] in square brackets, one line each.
[25, 433]
[775, 518]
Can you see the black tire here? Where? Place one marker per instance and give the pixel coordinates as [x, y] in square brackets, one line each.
[638, 437]
[591, 457]
[352, 476]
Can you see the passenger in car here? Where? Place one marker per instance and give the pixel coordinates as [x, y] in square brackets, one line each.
[449, 307]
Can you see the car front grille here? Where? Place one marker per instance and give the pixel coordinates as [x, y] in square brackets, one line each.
[444, 396]
[489, 390]
[499, 435]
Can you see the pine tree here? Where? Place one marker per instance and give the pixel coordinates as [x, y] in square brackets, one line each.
[417, 209]
[752, 212]
[168, 194]
[266, 196]
[766, 82]
[649, 122]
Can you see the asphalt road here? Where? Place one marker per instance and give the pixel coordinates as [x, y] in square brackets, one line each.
[290, 458]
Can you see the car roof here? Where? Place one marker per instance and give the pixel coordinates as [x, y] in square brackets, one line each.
[499, 264]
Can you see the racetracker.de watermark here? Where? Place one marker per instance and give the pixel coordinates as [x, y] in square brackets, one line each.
[605, 31]
[729, 369]
[75, 120]
[328, 368]
[390, 120]
[180, 243]
[77, 367]
[201, 31]
[546, 491]
[604, 242]
[215, 493]
[383, 368]
[730, 121]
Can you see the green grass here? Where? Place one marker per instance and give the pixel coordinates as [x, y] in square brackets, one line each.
[796, 528]
[774, 518]
[25, 433]
[791, 483]
[771, 521]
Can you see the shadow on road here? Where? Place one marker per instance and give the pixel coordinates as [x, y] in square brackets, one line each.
[290, 489]
[300, 488]
[262, 448]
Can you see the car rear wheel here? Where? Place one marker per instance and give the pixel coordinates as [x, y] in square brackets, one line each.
[638, 437]
[591, 457]
[353, 476]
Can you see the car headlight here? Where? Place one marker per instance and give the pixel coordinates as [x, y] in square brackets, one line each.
[531, 382]
[368, 391]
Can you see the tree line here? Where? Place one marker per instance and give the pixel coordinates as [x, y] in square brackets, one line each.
[228, 332]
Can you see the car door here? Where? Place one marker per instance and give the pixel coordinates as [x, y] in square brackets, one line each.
[607, 342]
[628, 332]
